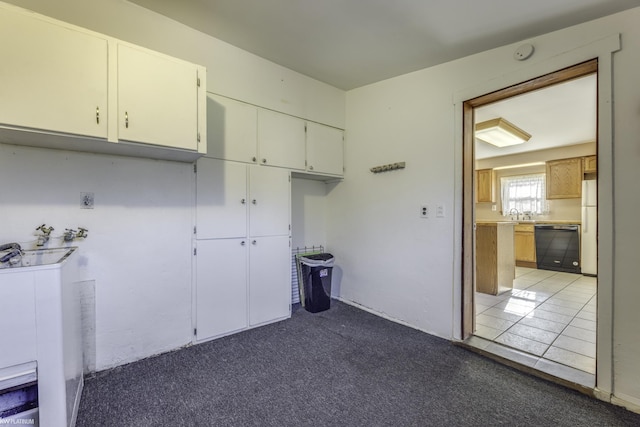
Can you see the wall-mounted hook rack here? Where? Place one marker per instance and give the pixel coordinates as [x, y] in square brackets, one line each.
[389, 167]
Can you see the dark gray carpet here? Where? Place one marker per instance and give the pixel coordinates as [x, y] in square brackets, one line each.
[342, 367]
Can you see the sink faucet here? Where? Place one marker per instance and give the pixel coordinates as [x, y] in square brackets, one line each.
[46, 233]
[517, 214]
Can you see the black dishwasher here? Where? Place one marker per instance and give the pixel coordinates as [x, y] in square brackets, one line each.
[558, 247]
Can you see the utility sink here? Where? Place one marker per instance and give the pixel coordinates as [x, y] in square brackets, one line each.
[37, 257]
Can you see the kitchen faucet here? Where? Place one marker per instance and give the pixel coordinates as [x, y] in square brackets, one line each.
[517, 214]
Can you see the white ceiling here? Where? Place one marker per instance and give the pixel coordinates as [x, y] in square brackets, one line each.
[563, 114]
[351, 43]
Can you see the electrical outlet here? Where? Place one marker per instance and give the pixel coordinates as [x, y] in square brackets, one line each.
[424, 211]
[494, 208]
[86, 200]
[440, 210]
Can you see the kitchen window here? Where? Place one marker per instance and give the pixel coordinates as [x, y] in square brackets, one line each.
[526, 193]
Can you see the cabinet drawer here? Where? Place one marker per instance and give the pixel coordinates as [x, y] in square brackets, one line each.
[527, 228]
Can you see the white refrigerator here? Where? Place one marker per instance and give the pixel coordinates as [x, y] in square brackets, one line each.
[589, 238]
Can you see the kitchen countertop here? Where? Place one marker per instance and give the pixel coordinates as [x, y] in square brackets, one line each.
[487, 221]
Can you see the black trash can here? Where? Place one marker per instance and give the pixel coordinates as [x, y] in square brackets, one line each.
[316, 277]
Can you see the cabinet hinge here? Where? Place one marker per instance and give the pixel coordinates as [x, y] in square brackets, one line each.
[195, 251]
[198, 136]
[195, 168]
[194, 229]
[195, 331]
[198, 81]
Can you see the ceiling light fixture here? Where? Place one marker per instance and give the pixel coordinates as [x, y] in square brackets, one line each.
[500, 133]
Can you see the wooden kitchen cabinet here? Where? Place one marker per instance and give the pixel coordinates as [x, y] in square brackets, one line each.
[325, 150]
[52, 78]
[495, 258]
[525, 245]
[590, 164]
[281, 140]
[564, 178]
[484, 186]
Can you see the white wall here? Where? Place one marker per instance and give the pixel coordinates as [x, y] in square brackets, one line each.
[138, 248]
[138, 253]
[408, 268]
[308, 213]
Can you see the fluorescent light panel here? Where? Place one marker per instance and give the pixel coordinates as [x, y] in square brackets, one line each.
[500, 133]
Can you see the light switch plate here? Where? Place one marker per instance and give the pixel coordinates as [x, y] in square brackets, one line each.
[440, 210]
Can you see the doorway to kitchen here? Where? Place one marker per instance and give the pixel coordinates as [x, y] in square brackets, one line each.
[515, 308]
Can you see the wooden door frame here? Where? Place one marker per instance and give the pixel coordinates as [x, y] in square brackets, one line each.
[468, 175]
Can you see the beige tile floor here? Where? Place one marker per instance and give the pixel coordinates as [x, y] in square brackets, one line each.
[548, 322]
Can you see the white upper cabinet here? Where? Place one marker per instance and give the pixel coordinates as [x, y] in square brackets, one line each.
[157, 99]
[232, 129]
[281, 140]
[65, 87]
[52, 78]
[325, 149]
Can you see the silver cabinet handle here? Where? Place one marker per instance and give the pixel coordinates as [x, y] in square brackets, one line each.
[98, 115]
[243, 201]
[254, 159]
[254, 242]
[243, 243]
[264, 161]
[254, 201]
[310, 168]
[126, 119]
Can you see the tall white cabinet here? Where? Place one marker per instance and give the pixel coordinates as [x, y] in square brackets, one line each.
[242, 246]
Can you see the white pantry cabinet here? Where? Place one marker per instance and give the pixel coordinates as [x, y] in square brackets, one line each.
[221, 287]
[221, 199]
[232, 129]
[325, 149]
[231, 197]
[242, 246]
[52, 78]
[269, 279]
[241, 283]
[69, 88]
[281, 140]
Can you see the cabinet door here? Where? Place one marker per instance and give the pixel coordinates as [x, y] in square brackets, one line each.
[270, 192]
[564, 178]
[269, 279]
[157, 99]
[221, 199]
[324, 149]
[591, 164]
[484, 186]
[221, 287]
[232, 129]
[52, 77]
[281, 140]
[525, 246]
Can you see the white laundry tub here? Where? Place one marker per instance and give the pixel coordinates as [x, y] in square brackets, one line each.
[41, 328]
